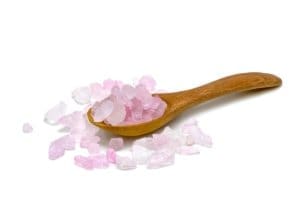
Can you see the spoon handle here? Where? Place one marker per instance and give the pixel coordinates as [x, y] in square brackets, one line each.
[223, 86]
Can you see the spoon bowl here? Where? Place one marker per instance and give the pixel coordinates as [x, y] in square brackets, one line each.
[177, 102]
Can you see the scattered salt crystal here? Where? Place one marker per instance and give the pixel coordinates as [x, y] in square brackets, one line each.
[161, 159]
[55, 113]
[146, 142]
[93, 148]
[68, 142]
[82, 95]
[125, 163]
[100, 161]
[84, 162]
[194, 135]
[141, 154]
[86, 140]
[27, 128]
[55, 151]
[111, 155]
[91, 162]
[188, 150]
[116, 143]
[57, 148]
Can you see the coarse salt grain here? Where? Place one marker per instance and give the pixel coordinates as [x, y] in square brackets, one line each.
[27, 128]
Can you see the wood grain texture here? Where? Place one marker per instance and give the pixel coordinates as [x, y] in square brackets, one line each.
[180, 101]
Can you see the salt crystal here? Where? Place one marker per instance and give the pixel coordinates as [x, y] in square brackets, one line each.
[142, 93]
[118, 115]
[116, 143]
[146, 142]
[27, 128]
[82, 95]
[188, 150]
[101, 110]
[136, 110]
[161, 159]
[160, 110]
[57, 148]
[129, 91]
[55, 113]
[125, 163]
[148, 82]
[99, 161]
[55, 151]
[108, 84]
[68, 142]
[141, 154]
[93, 148]
[84, 162]
[111, 155]
[194, 135]
[98, 93]
[86, 140]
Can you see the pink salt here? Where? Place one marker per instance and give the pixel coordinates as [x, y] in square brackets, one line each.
[111, 155]
[27, 128]
[116, 143]
[125, 163]
[57, 148]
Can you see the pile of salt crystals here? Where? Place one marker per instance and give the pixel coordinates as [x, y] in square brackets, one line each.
[117, 103]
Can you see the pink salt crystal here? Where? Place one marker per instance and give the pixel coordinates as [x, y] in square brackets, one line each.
[204, 140]
[142, 93]
[194, 135]
[57, 148]
[125, 163]
[161, 159]
[146, 142]
[86, 140]
[84, 162]
[155, 103]
[160, 140]
[140, 154]
[111, 155]
[55, 152]
[98, 93]
[188, 150]
[68, 142]
[93, 148]
[78, 124]
[136, 110]
[27, 128]
[82, 95]
[116, 143]
[118, 115]
[129, 91]
[99, 161]
[160, 110]
[55, 113]
[148, 82]
[109, 84]
[101, 110]
[73, 120]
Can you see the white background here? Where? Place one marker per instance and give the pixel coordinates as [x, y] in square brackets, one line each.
[47, 48]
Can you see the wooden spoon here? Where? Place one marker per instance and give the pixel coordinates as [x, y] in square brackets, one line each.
[177, 102]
